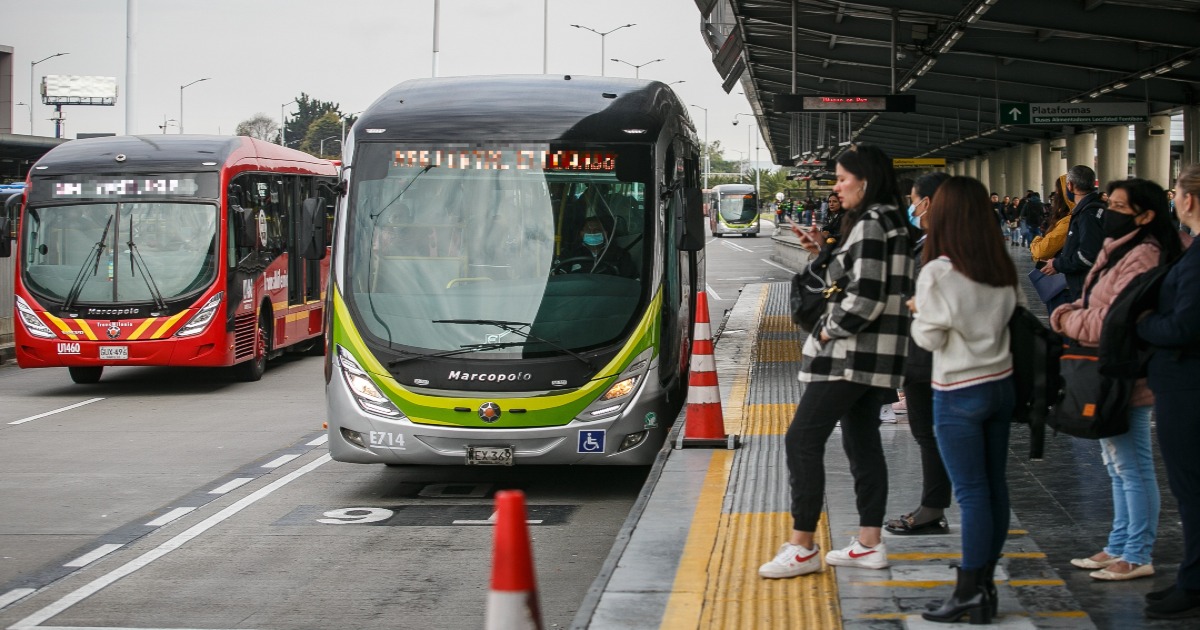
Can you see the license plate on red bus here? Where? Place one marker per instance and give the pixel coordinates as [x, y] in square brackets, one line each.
[489, 456]
[114, 353]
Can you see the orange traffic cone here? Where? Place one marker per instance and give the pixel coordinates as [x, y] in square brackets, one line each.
[512, 602]
[704, 424]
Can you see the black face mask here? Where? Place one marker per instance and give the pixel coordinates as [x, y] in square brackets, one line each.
[1117, 225]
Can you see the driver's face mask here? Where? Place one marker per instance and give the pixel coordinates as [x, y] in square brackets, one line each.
[593, 239]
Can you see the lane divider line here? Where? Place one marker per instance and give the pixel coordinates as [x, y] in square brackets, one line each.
[232, 485]
[169, 516]
[93, 555]
[14, 596]
[777, 265]
[319, 441]
[710, 291]
[281, 460]
[91, 588]
[59, 410]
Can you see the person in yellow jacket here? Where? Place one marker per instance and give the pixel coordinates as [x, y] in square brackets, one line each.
[1048, 245]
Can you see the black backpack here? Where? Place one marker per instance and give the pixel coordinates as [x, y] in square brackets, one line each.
[1122, 354]
[1035, 355]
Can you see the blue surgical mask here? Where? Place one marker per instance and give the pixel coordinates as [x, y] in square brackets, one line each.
[912, 216]
[593, 239]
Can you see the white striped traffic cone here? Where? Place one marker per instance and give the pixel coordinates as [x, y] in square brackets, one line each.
[512, 602]
[704, 424]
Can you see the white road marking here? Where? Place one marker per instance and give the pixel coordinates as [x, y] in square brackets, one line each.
[709, 290]
[60, 410]
[14, 596]
[732, 245]
[319, 441]
[279, 461]
[93, 555]
[491, 521]
[232, 485]
[169, 516]
[178, 541]
[776, 265]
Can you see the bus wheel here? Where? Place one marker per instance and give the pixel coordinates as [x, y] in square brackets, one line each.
[252, 370]
[85, 375]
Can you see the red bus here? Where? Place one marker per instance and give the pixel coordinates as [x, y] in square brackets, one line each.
[172, 251]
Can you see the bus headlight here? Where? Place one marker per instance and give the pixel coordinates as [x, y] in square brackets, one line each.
[613, 400]
[365, 392]
[621, 389]
[200, 320]
[32, 322]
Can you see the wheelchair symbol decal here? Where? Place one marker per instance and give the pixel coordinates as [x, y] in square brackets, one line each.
[591, 441]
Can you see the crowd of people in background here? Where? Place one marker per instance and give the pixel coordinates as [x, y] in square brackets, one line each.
[920, 303]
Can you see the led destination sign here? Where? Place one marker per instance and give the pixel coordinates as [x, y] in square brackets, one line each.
[845, 103]
[507, 158]
[124, 187]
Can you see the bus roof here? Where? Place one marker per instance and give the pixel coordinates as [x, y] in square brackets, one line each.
[194, 153]
[734, 188]
[522, 107]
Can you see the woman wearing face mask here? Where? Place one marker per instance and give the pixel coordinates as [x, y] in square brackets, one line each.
[929, 517]
[595, 253]
[1138, 234]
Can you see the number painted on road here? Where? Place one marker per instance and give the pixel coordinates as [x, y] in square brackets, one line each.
[355, 516]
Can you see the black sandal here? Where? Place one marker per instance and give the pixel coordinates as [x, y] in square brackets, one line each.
[904, 526]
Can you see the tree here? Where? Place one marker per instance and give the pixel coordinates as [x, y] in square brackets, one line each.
[308, 110]
[259, 126]
[327, 127]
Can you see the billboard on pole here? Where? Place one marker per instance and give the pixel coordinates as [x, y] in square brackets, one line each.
[66, 89]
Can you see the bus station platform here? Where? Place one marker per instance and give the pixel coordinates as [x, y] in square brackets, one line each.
[688, 555]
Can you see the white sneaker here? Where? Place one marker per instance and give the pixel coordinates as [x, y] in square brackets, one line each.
[886, 415]
[792, 560]
[859, 555]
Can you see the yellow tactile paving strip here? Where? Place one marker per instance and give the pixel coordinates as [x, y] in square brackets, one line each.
[717, 584]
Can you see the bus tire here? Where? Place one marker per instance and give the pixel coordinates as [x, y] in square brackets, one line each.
[253, 370]
[86, 375]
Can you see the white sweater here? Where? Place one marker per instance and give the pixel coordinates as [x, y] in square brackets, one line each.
[964, 324]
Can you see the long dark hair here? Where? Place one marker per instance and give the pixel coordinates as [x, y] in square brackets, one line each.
[1146, 195]
[870, 164]
[961, 225]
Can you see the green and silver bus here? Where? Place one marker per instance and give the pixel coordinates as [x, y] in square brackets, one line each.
[733, 209]
[515, 268]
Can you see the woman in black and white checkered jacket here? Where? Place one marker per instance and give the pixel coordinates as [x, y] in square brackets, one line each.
[853, 363]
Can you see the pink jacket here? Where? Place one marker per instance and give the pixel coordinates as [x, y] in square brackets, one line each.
[1084, 324]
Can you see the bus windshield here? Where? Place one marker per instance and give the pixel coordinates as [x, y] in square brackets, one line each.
[108, 253]
[552, 243]
[738, 207]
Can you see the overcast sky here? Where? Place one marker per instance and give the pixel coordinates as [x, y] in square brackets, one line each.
[261, 53]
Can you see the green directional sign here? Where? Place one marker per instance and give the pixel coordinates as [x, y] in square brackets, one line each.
[1014, 113]
[1073, 113]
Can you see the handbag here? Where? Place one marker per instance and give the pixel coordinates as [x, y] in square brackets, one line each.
[1047, 287]
[810, 291]
[1036, 352]
[1093, 405]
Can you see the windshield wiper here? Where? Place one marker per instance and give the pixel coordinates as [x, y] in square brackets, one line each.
[137, 262]
[515, 327]
[81, 277]
[464, 349]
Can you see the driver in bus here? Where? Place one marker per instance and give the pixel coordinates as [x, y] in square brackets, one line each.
[596, 253]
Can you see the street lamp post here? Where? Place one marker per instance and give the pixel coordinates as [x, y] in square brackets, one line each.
[166, 123]
[181, 100]
[637, 68]
[31, 65]
[706, 159]
[602, 36]
[283, 122]
[321, 150]
[749, 129]
[30, 113]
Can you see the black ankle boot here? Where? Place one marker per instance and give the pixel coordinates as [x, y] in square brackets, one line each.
[969, 599]
[988, 581]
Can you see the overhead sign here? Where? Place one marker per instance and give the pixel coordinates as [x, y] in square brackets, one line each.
[918, 162]
[61, 89]
[845, 103]
[1073, 113]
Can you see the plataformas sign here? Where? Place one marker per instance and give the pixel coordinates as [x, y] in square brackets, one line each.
[1073, 113]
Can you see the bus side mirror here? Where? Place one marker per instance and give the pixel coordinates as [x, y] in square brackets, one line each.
[5, 241]
[689, 220]
[312, 229]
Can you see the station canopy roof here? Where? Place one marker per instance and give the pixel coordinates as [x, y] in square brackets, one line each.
[960, 59]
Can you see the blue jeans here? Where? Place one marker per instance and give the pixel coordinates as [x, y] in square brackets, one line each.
[1130, 463]
[972, 427]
